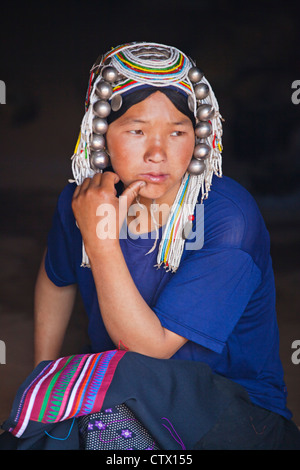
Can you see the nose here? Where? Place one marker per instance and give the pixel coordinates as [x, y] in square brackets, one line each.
[155, 151]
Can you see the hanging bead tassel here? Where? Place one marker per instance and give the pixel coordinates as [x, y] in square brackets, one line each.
[172, 242]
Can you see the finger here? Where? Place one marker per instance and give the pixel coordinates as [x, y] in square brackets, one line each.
[108, 181]
[132, 191]
[81, 187]
[96, 180]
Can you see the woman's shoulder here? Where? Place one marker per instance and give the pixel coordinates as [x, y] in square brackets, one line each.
[227, 190]
[232, 217]
[65, 197]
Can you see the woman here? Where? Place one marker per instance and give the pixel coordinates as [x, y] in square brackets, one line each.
[131, 238]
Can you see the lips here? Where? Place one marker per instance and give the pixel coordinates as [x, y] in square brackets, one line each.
[154, 177]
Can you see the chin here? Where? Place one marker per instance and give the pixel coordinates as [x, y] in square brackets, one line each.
[151, 191]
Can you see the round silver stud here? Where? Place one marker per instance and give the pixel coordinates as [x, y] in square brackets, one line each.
[104, 90]
[97, 142]
[201, 91]
[191, 102]
[116, 102]
[99, 160]
[203, 129]
[99, 125]
[102, 108]
[110, 74]
[202, 151]
[195, 74]
[205, 112]
[196, 167]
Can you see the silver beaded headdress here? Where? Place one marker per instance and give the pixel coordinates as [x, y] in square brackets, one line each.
[121, 71]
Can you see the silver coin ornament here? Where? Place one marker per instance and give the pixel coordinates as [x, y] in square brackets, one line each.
[110, 74]
[196, 167]
[116, 102]
[104, 90]
[203, 129]
[101, 108]
[195, 74]
[97, 142]
[191, 103]
[202, 151]
[205, 112]
[99, 125]
[99, 160]
[201, 91]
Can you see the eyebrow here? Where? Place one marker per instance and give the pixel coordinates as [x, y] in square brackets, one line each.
[127, 120]
[181, 123]
[142, 121]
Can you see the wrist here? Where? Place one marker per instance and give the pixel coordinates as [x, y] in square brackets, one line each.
[99, 252]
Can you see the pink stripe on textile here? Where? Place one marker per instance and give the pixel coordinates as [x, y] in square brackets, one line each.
[35, 393]
[69, 387]
[31, 399]
[107, 379]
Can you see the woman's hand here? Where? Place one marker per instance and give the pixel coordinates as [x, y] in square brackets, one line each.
[98, 211]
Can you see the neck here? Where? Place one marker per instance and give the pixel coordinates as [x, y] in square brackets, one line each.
[145, 218]
[146, 214]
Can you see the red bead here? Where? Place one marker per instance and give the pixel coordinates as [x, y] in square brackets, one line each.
[191, 217]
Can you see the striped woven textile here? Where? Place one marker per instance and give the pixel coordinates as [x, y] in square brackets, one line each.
[69, 387]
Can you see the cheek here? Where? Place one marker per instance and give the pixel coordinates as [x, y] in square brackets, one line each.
[185, 153]
[119, 146]
[122, 157]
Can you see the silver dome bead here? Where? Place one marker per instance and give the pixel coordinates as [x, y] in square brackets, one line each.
[99, 125]
[203, 129]
[104, 90]
[99, 160]
[97, 142]
[205, 112]
[195, 74]
[116, 102]
[191, 102]
[110, 74]
[201, 91]
[196, 167]
[202, 151]
[102, 108]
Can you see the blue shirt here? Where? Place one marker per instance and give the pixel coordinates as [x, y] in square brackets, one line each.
[222, 297]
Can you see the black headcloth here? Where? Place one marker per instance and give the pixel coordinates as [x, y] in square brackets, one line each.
[136, 96]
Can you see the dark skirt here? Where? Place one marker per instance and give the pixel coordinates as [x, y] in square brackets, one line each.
[140, 403]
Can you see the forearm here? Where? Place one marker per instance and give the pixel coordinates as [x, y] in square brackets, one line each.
[126, 315]
[53, 306]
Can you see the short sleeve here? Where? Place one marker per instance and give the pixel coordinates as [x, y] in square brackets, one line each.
[207, 296]
[58, 262]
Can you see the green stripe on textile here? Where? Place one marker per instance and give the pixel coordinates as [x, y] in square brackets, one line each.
[168, 68]
[49, 389]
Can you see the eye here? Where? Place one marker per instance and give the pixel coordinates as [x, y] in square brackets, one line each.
[136, 132]
[177, 133]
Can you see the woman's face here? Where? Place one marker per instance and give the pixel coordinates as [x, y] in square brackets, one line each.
[152, 142]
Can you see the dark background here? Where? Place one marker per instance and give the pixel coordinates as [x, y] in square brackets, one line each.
[250, 53]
